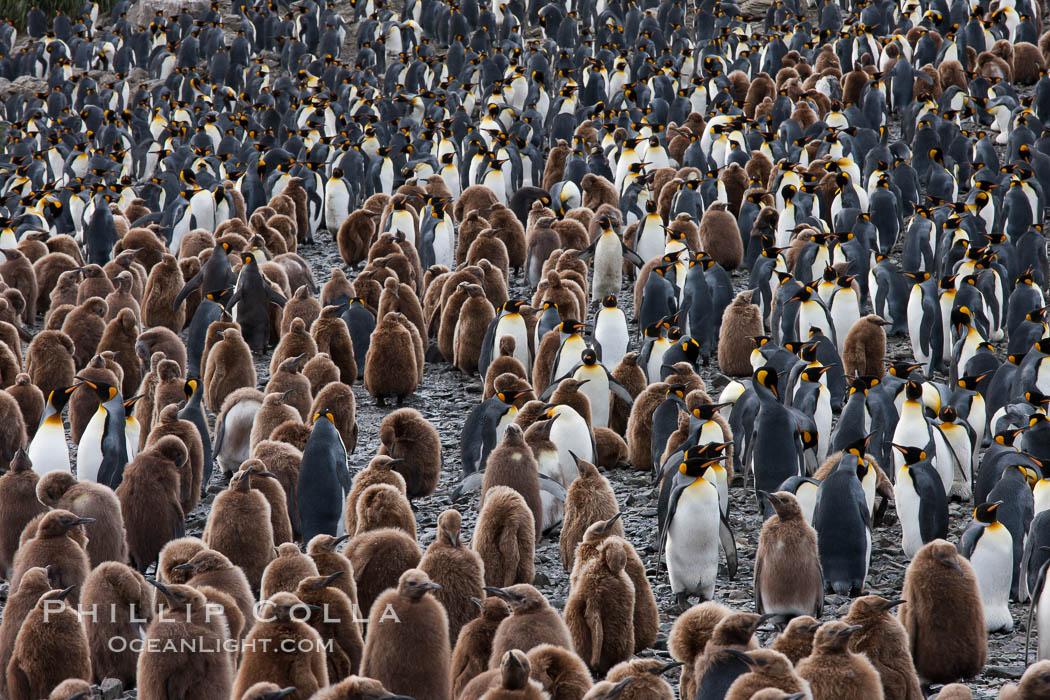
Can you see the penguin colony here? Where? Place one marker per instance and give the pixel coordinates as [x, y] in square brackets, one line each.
[664, 236]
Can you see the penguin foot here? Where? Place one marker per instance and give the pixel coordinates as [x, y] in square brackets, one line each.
[681, 602]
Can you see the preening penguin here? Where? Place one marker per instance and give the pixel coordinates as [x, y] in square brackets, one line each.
[600, 609]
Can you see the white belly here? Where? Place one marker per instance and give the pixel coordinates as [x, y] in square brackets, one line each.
[692, 546]
[611, 332]
[571, 436]
[906, 502]
[48, 451]
[89, 451]
[993, 560]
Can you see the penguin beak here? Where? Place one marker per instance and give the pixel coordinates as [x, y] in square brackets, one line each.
[83, 521]
[849, 631]
[184, 567]
[432, 586]
[891, 604]
[619, 687]
[497, 592]
[160, 586]
[612, 521]
[667, 667]
[341, 539]
[64, 593]
[741, 656]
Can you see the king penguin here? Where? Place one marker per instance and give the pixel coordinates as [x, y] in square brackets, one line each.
[688, 534]
[48, 450]
[102, 452]
[922, 506]
[989, 546]
[509, 321]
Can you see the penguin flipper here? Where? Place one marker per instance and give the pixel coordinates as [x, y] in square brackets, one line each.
[485, 359]
[665, 526]
[470, 482]
[194, 282]
[587, 252]
[553, 487]
[631, 256]
[220, 433]
[725, 536]
[620, 391]
[274, 296]
[759, 608]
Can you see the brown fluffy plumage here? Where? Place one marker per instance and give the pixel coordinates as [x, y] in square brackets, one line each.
[788, 579]
[834, 671]
[864, 349]
[19, 604]
[51, 646]
[590, 498]
[335, 621]
[407, 436]
[883, 640]
[18, 505]
[740, 322]
[470, 656]
[58, 489]
[409, 651]
[689, 636]
[532, 622]
[239, 527]
[452, 564]
[384, 506]
[149, 500]
[769, 669]
[124, 601]
[505, 537]
[56, 544]
[941, 586]
[600, 609]
[796, 641]
[378, 559]
[288, 568]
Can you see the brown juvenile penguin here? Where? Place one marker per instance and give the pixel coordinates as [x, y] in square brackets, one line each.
[120, 338]
[19, 604]
[1034, 684]
[229, 368]
[641, 678]
[458, 569]
[149, 500]
[85, 499]
[231, 444]
[381, 470]
[532, 622]
[741, 321]
[470, 656]
[322, 550]
[511, 464]
[122, 297]
[474, 317]
[18, 506]
[211, 568]
[170, 389]
[297, 342]
[788, 579]
[158, 300]
[600, 609]
[269, 485]
[378, 558]
[409, 437]
[941, 586]
[720, 236]
[505, 537]
[833, 671]
[175, 552]
[560, 671]
[646, 615]
[883, 640]
[71, 689]
[689, 636]
[769, 669]
[294, 388]
[302, 305]
[52, 631]
[504, 363]
[631, 376]
[321, 371]
[864, 349]
[298, 661]
[331, 335]
[56, 545]
[714, 670]
[191, 474]
[590, 498]
[384, 506]
[639, 432]
[390, 368]
[123, 605]
[408, 651]
[274, 411]
[17, 271]
[335, 620]
[49, 361]
[30, 402]
[796, 641]
[355, 234]
[239, 527]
